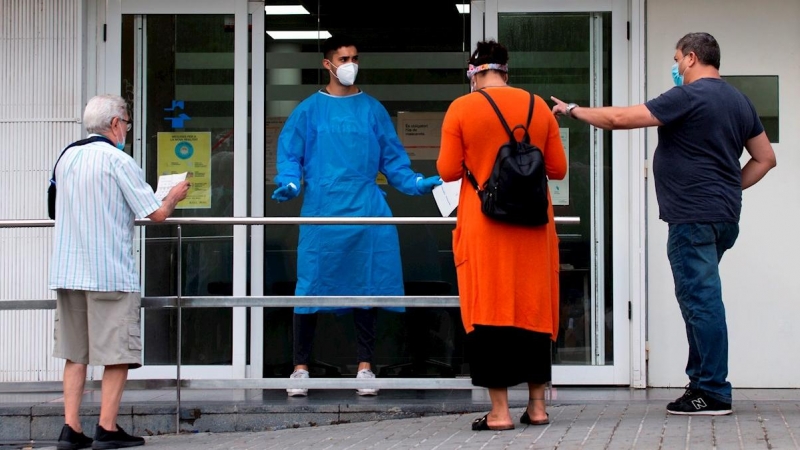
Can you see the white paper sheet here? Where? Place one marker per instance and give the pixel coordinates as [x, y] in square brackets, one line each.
[446, 196]
[167, 182]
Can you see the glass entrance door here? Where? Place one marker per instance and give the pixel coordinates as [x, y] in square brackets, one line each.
[185, 78]
[567, 50]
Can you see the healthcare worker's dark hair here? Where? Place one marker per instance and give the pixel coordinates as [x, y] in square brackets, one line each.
[703, 45]
[489, 52]
[334, 43]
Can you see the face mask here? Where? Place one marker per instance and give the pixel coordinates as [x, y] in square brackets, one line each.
[676, 76]
[346, 73]
[121, 145]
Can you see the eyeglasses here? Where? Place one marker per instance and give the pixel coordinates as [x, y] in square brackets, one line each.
[129, 123]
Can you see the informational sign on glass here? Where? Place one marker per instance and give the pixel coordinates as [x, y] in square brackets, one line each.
[420, 133]
[559, 189]
[180, 152]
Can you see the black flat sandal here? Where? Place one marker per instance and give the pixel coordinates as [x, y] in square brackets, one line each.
[526, 419]
[482, 424]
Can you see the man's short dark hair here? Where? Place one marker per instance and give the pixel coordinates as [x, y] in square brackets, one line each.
[334, 43]
[703, 45]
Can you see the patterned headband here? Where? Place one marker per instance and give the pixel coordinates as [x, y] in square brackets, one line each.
[475, 69]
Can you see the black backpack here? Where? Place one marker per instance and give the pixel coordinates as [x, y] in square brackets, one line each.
[516, 191]
[51, 190]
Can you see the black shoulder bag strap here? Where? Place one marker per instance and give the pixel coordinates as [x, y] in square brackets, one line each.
[51, 190]
[526, 138]
[88, 140]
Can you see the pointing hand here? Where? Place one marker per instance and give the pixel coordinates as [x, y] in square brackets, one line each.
[560, 108]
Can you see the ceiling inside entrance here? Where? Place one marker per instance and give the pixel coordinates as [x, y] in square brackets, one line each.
[410, 25]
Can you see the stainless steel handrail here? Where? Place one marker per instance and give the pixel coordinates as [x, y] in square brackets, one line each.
[265, 301]
[460, 383]
[178, 302]
[43, 223]
[260, 301]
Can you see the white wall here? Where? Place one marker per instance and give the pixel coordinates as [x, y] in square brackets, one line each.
[759, 275]
[40, 112]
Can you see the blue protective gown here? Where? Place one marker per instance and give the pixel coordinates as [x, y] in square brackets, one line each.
[336, 146]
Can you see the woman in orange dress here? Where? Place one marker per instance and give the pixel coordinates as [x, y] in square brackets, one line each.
[507, 274]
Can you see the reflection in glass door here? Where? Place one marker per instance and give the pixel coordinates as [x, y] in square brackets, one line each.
[181, 75]
[561, 54]
[189, 114]
[566, 50]
[413, 64]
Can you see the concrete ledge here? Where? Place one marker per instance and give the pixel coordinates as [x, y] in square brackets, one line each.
[15, 428]
[43, 422]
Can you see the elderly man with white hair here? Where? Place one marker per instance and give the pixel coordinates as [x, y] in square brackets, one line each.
[101, 191]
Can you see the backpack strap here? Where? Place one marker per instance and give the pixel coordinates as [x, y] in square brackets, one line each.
[471, 178]
[526, 138]
[530, 117]
[88, 140]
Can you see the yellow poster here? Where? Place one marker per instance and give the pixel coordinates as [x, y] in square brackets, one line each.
[188, 152]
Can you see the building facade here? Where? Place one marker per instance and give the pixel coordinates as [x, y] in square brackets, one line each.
[213, 81]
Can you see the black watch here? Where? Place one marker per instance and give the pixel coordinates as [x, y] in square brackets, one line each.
[570, 107]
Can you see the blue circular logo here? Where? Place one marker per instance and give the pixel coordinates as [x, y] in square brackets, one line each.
[184, 150]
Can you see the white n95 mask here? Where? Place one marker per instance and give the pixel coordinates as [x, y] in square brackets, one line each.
[346, 73]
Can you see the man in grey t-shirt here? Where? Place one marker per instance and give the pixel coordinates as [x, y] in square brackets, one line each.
[703, 123]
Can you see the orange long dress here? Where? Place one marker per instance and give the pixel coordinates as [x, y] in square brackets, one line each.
[507, 274]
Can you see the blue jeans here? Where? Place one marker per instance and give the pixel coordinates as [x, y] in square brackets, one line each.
[694, 251]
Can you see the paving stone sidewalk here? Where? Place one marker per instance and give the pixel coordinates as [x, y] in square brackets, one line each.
[595, 425]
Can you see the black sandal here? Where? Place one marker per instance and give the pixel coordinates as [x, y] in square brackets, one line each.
[526, 419]
[482, 424]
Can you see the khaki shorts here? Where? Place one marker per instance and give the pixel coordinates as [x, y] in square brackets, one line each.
[98, 328]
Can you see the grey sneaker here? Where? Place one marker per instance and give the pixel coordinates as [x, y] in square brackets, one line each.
[299, 373]
[363, 375]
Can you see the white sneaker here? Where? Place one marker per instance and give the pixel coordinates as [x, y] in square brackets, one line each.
[366, 374]
[299, 373]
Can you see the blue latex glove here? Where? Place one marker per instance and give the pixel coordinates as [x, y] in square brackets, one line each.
[426, 185]
[284, 193]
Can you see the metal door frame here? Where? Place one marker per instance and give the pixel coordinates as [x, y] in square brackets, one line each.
[242, 10]
[627, 185]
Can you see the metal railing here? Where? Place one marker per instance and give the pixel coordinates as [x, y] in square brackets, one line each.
[178, 302]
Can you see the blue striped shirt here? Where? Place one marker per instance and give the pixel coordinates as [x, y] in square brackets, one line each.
[101, 190]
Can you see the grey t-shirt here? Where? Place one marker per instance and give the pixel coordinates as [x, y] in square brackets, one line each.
[698, 176]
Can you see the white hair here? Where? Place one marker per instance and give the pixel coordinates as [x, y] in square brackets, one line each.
[101, 110]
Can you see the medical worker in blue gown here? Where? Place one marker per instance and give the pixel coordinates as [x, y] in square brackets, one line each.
[332, 148]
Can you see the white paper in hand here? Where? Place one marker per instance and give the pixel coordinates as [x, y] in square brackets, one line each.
[167, 182]
[446, 196]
